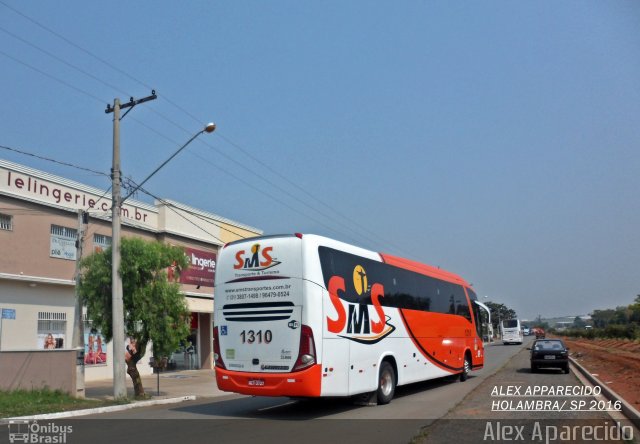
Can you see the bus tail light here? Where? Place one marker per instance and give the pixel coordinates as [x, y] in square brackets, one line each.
[217, 357]
[307, 353]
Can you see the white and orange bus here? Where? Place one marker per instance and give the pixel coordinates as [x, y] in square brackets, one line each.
[307, 316]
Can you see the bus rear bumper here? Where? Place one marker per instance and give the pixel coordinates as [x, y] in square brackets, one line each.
[305, 383]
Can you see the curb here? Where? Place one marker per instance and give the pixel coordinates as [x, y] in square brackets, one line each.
[627, 409]
[111, 408]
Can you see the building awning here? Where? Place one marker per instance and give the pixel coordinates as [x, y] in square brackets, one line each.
[200, 305]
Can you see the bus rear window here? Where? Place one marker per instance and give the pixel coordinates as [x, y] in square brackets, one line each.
[511, 323]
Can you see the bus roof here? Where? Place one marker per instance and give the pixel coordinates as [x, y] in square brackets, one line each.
[427, 270]
[407, 264]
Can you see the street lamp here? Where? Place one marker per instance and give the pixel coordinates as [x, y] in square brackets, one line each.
[211, 127]
[119, 387]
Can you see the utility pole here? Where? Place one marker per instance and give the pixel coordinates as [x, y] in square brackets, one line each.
[78, 326]
[117, 310]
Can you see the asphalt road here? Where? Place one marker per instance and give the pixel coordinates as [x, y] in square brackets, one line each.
[416, 409]
[240, 419]
[524, 406]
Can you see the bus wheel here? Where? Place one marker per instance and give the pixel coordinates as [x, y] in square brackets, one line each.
[467, 368]
[386, 383]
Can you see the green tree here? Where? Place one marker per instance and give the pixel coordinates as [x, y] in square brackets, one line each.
[634, 309]
[500, 312]
[578, 322]
[154, 308]
[602, 318]
[621, 316]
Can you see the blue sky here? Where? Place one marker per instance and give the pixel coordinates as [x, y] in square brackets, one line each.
[498, 140]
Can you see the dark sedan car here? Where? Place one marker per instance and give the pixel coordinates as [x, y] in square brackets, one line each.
[549, 353]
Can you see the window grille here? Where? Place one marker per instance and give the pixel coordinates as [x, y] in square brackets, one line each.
[6, 222]
[101, 240]
[69, 233]
[54, 323]
[52, 316]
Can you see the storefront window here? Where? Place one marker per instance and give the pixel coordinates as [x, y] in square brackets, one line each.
[186, 357]
[52, 328]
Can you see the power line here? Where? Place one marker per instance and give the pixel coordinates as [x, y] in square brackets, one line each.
[169, 204]
[220, 152]
[263, 192]
[48, 159]
[279, 188]
[260, 176]
[55, 57]
[271, 183]
[361, 229]
[192, 213]
[276, 186]
[101, 197]
[96, 57]
[182, 215]
[298, 187]
[259, 190]
[70, 42]
[263, 178]
[67, 84]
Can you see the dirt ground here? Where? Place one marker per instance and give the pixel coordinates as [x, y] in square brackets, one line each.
[615, 362]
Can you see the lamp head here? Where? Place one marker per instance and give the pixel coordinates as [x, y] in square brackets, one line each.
[211, 127]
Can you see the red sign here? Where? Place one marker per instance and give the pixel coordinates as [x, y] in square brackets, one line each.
[201, 270]
[194, 320]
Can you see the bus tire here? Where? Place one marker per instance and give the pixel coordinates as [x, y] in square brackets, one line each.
[466, 368]
[386, 383]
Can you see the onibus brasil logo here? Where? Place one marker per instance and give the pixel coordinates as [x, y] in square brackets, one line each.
[32, 432]
[354, 321]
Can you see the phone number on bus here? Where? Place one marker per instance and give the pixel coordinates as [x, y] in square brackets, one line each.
[264, 294]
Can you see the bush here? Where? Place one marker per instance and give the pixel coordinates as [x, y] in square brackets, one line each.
[629, 331]
[611, 331]
[586, 333]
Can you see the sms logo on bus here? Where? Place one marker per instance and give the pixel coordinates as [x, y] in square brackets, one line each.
[258, 260]
[354, 321]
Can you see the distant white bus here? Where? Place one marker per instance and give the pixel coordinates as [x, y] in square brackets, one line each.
[511, 332]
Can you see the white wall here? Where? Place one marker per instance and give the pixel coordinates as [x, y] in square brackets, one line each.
[21, 333]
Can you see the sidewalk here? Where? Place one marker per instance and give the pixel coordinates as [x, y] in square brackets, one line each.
[200, 383]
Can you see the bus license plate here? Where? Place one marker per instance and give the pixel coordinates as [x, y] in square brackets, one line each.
[256, 382]
[549, 357]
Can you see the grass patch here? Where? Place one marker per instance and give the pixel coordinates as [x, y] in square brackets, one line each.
[35, 402]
